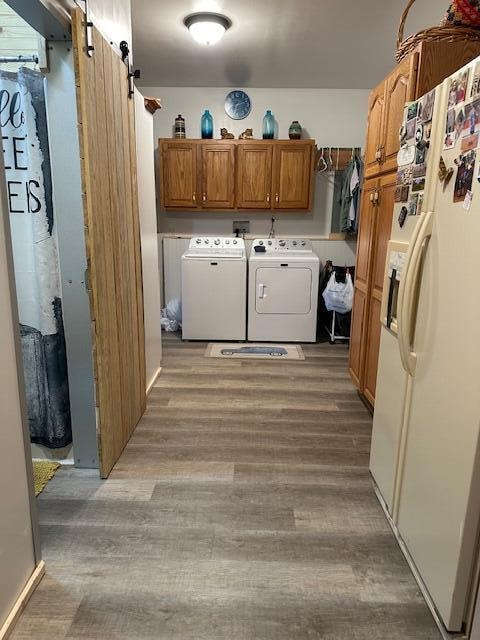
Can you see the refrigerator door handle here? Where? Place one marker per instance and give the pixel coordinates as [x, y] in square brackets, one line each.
[406, 293]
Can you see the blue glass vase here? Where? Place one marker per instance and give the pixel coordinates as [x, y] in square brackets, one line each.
[268, 126]
[207, 125]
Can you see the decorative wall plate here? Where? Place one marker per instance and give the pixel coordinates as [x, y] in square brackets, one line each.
[237, 105]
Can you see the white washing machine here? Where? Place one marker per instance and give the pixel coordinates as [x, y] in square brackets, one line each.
[282, 291]
[214, 289]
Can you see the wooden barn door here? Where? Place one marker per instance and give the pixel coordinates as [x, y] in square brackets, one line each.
[107, 143]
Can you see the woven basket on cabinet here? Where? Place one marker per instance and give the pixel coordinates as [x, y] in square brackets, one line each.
[433, 34]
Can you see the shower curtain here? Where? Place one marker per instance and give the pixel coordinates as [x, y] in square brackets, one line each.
[23, 122]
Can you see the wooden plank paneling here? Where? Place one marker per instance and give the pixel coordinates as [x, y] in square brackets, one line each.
[107, 142]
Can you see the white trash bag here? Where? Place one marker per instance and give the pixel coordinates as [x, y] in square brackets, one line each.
[338, 296]
[171, 319]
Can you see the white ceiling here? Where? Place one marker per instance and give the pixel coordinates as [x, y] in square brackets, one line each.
[275, 43]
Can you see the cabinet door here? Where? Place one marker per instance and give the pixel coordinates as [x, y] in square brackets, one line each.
[356, 335]
[400, 89]
[382, 226]
[372, 346]
[373, 142]
[254, 176]
[179, 173]
[218, 175]
[292, 175]
[362, 280]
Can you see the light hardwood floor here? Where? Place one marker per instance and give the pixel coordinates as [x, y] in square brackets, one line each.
[241, 509]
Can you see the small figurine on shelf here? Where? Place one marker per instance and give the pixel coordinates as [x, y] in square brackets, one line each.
[246, 135]
[226, 135]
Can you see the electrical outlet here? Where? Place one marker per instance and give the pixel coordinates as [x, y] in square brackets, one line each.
[242, 227]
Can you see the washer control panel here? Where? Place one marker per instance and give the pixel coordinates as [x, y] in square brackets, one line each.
[278, 245]
[205, 242]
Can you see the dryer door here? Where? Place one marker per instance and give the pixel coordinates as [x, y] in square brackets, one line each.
[285, 290]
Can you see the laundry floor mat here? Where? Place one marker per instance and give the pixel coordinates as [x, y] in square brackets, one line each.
[254, 351]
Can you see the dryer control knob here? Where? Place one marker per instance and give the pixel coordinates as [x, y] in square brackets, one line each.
[294, 243]
[198, 241]
[207, 240]
[303, 243]
[282, 243]
[260, 242]
[227, 241]
[234, 242]
[217, 241]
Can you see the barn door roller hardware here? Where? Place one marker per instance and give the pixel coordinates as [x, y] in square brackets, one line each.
[132, 73]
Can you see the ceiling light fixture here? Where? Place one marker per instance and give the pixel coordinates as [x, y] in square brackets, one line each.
[207, 28]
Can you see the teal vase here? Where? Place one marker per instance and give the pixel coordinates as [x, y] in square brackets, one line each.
[207, 125]
[268, 126]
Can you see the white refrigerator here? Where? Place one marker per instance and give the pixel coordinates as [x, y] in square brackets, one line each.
[425, 456]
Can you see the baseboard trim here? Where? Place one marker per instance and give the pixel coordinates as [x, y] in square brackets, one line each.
[151, 384]
[22, 600]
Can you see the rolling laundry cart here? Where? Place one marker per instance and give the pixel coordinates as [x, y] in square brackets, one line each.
[336, 325]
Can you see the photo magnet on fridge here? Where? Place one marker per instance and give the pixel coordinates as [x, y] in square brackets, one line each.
[403, 216]
[467, 203]
[401, 193]
[458, 88]
[420, 170]
[428, 102]
[404, 176]
[464, 179]
[471, 124]
[475, 90]
[418, 184]
[469, 142]
[412, 110]
[410, 129]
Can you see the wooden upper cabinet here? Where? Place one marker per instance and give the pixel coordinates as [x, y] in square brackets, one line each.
[218, 175]
[374, 139]
[254, 176]
[400, 88]
[237, 174]
[179, 174]
[385, 112]
[292, 175]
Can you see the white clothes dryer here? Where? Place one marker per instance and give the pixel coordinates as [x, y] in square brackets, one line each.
[214, 289]
[282, 291]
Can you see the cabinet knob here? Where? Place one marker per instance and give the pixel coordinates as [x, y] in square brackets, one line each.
[194, 197]
[277, 198]
[268, 197]
[372, 197]
[204, 197]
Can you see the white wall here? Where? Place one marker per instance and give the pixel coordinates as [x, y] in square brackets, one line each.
[17, 558]
[335, 118]
[148, 235]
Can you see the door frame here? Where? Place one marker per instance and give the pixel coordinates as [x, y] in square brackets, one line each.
[5, 221]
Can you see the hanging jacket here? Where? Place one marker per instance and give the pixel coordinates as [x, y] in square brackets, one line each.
[349, 196]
